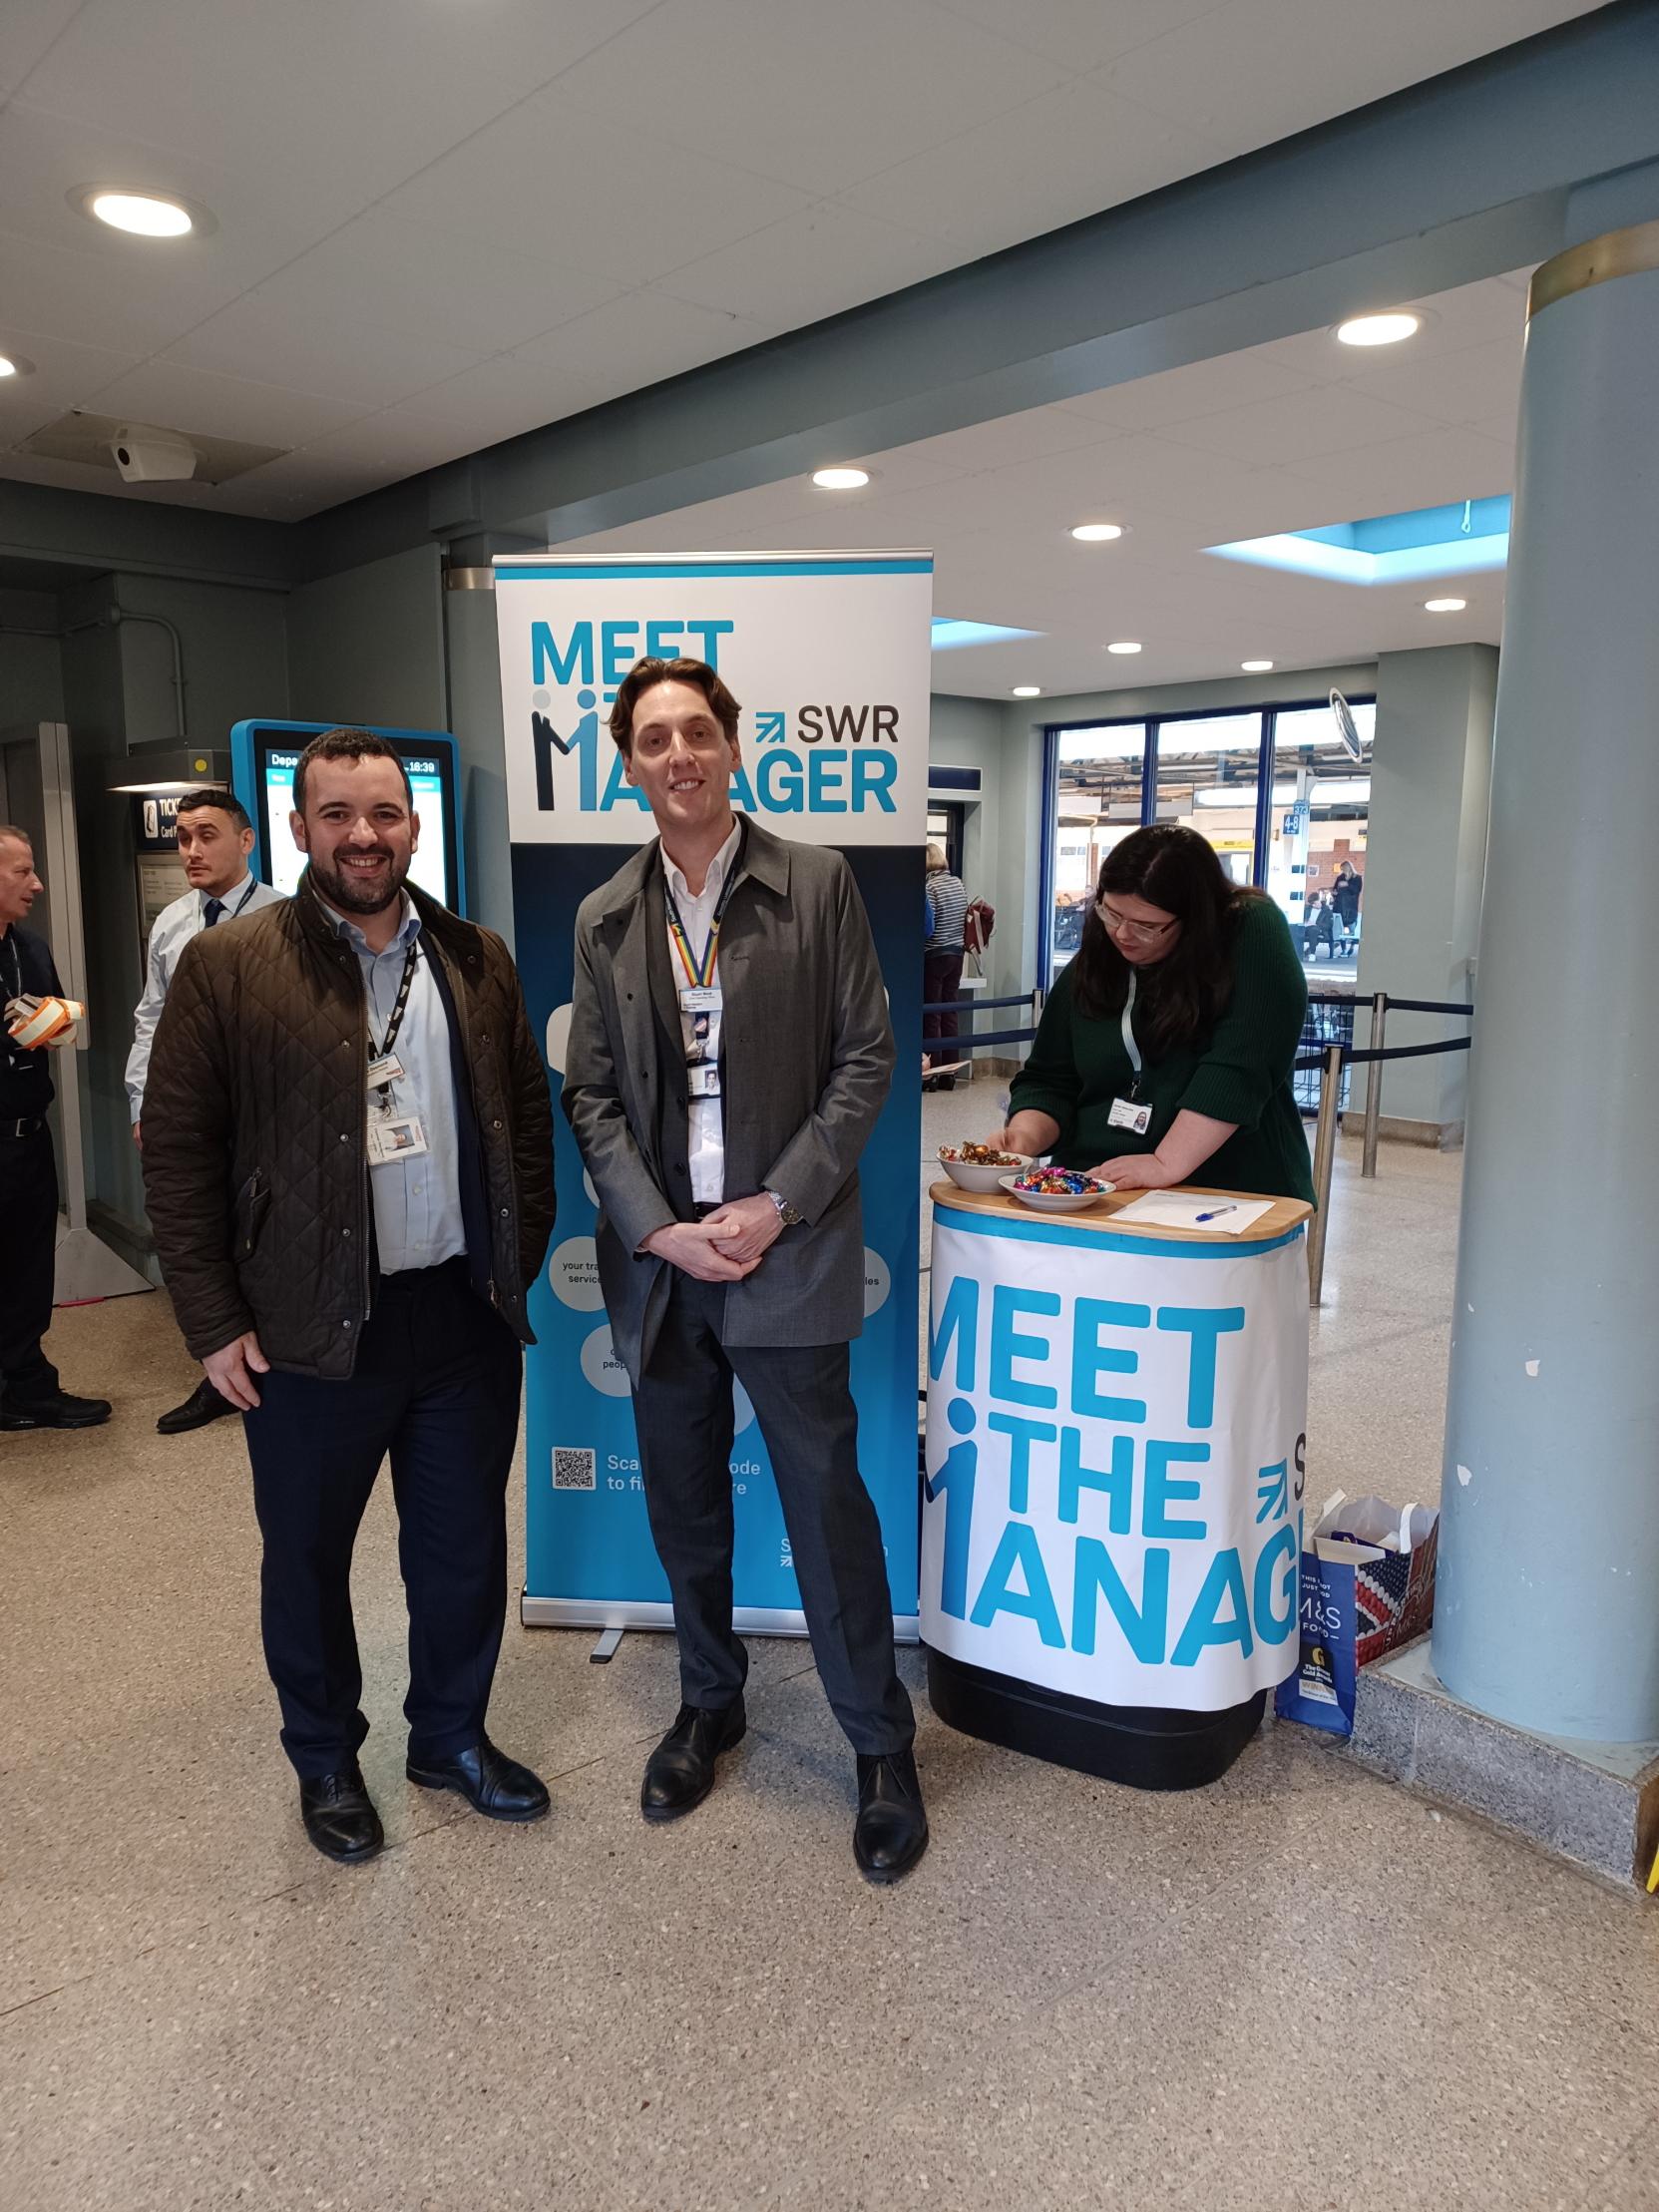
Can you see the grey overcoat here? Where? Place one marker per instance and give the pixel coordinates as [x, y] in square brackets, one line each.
[808, 1057]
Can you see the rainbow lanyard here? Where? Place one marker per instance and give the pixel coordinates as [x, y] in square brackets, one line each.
[700, 974]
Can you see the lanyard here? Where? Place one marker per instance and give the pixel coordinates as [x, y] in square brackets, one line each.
[700, 973]
[1129, 1045]
[398, 1011]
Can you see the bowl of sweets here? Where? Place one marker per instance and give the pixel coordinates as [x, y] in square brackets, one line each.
[978, 1167]
[1056, 1190]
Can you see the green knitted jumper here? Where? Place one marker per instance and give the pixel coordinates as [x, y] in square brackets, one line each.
[1239, 1072]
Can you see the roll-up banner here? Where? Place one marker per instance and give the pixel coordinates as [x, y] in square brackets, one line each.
[829, 656]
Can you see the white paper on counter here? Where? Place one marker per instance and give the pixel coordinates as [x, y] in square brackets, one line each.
[1173, 1209]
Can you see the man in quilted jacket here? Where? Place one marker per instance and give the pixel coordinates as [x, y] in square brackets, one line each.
[347, 1155]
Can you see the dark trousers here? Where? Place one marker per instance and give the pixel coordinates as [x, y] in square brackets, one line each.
[941, 979]
[437, 1387]
[29, 1232]
[684, 1415]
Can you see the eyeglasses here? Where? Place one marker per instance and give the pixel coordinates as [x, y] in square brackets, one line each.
[1139, 933]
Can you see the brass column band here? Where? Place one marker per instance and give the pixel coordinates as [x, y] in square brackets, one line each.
[469, 580]
[1597, 261]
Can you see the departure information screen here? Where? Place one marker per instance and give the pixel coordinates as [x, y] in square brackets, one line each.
[431, 783]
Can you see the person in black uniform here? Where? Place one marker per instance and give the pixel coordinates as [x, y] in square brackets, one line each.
[31, 1397]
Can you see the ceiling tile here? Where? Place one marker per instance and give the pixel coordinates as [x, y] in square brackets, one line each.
[27, 30]
[556, 182]
[345, 360]
[1450, 387]
[638, 340]
[105, 300]
[1068, 154]
[171, 397]
[1004, 441]
[65, 376]
[1082, 34]
[1430, 470]
[817, 96]
[400, 276]
[1255, 71]
[1328, 418]
[500, 399]
[308, 94]
[811, 265]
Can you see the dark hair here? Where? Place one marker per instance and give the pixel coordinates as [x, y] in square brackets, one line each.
[346, 744]
[697, 674]
[192, 802]
[1173, 868]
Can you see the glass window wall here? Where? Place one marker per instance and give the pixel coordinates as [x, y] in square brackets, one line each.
[1097, 801]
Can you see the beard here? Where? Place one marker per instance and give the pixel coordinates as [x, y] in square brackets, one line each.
[351, 893]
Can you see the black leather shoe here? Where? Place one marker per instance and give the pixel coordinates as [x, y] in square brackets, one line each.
[58, 1412]
[681, 1772]
[491, 1782]
[339, 1816]
[891, 1831]
[202, 1406]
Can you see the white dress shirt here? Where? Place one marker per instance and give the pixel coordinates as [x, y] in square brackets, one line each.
[707, 1137]
[170, 933]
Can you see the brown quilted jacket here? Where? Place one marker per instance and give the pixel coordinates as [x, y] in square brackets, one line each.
[255, 1131]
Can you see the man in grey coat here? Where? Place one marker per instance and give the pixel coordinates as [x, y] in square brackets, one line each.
[729, 1051]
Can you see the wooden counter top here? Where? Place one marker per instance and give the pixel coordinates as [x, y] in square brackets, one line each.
[1285, 1216]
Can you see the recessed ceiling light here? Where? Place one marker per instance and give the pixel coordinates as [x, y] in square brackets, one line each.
[1255, 668]
[1028, 691]
[841, 480]
[1443, 605]
[1378, 329]
[1124, 644]
[1097, 533]
[13, 365]
[143, 215]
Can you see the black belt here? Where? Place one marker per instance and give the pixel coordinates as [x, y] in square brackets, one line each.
[30, 1126]
[701, 1208]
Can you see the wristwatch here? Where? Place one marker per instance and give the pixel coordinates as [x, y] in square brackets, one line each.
[787, 1215]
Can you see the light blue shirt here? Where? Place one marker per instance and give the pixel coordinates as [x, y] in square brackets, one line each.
[417, 1202]
[170, 933]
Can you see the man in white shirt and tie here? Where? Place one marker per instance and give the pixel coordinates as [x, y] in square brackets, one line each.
[214, 840]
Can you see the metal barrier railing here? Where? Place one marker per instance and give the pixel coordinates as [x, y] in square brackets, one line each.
[1334, 1062]
[974, 1004]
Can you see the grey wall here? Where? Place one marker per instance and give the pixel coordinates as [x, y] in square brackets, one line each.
[367, 644]
[972, 733]
[235, 644]
[475, 718]
[30, 674]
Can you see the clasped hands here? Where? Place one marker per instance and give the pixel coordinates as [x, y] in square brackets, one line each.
[725, 1246]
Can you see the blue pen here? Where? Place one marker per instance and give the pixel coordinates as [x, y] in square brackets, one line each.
[1216, 1214]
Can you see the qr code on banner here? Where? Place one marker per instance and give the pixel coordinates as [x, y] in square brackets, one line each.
[573, 1469]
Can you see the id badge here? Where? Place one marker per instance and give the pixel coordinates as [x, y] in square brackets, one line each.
[702, 1079]
[1129, 1114]
[393, 1137]
[385, 1071]
[700, 998]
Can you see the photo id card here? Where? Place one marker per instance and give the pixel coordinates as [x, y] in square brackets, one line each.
[393, 1137]
[702, 1079]
[1129, 1114]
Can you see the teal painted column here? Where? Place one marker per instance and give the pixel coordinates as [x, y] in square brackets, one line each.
[1546, 1613]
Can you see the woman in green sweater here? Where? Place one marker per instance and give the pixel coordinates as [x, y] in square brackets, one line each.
[1164, 1052]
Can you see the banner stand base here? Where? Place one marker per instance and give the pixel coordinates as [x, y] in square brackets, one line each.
[604, 1614]
[606, 1649]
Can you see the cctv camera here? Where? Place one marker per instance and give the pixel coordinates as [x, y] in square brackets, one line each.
[153, 456]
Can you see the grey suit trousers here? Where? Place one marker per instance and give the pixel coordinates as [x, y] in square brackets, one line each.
[804, 1405]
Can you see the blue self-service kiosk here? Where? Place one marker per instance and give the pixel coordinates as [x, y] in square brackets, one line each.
[263, 755]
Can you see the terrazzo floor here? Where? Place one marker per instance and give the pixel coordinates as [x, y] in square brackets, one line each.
[1301, 1989]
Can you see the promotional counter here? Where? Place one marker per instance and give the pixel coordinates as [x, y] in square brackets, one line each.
[1116, 1446]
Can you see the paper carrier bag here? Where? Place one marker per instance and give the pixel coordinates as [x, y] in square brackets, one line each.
[1368, 1586]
